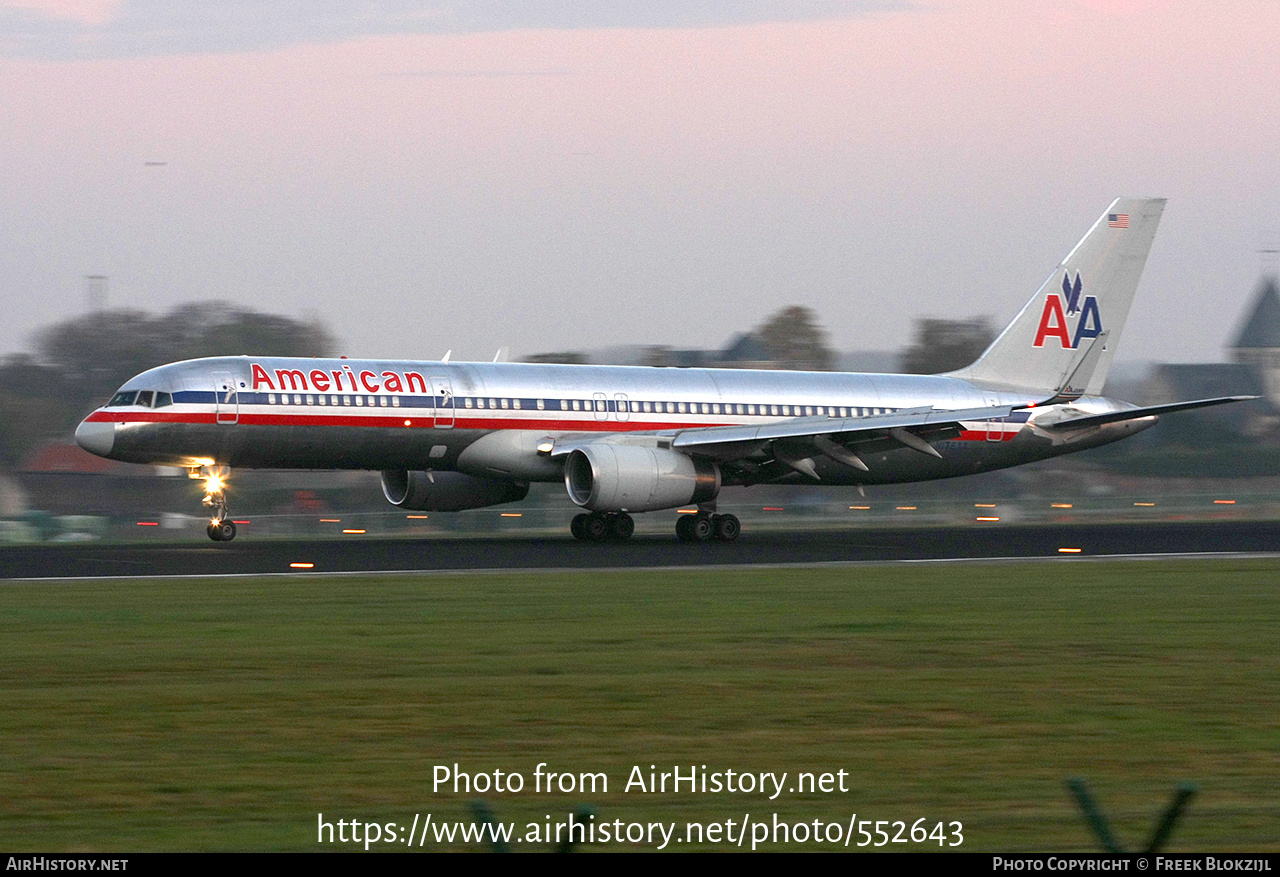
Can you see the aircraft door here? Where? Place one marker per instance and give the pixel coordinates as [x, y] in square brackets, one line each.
[226, 401]
[442, 398]
[623, 406]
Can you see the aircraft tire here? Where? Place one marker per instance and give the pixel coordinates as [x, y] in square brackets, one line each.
[683, 528]
[727, 527]
[621, 527]
[702, 529]
[596, 527]
[578, 526]
[226, 530]
[214, 532]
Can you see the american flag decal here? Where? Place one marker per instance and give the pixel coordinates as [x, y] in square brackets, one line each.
[1117, 220]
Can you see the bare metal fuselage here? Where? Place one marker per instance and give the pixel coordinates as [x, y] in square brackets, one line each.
[487, 419]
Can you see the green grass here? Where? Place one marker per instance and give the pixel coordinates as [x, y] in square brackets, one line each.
[224, 714]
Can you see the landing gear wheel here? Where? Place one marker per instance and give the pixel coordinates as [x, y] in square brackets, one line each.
[683, 528]
[222, 531]
[621, 527]
[702, 529]
[578, 526]
[695, 528]
[596, 527]
[727, 527]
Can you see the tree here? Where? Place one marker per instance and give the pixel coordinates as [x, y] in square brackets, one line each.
[794, 340]
[946, 345]
[80, 362]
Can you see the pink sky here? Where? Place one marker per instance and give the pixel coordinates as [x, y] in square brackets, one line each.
[579, 188]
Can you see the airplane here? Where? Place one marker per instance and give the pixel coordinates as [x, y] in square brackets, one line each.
[449, 436]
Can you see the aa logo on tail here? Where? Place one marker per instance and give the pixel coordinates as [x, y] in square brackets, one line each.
[1057, 308]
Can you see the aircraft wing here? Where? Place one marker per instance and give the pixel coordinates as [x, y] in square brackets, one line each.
[771, 450]
[844, 428]
[1132, 413]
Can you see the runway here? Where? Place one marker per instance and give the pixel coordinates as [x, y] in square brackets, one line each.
[246, 556]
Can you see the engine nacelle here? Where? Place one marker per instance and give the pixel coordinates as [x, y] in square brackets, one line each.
[611, 478]
[447, 491]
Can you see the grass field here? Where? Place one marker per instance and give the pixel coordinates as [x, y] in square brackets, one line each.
[225, 714]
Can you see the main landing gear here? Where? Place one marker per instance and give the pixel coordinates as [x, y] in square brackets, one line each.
[599, 526]
[221, 528]
[704, 527]
[618, 527]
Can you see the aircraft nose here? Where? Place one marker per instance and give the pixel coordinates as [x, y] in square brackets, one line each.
[96, 438]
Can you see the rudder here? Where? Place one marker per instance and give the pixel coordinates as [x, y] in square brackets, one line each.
[1063, 340]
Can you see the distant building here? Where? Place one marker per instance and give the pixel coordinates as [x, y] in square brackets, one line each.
[1255, 371]
[1258, 344]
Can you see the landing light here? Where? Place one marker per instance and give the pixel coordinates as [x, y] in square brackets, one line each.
[214, 484]
[988, 519]
[546, 446]
[302, 565]
[1069, 550]
[1224, 502]
[1061, 505]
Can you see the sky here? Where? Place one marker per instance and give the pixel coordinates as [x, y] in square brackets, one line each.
[570, 175]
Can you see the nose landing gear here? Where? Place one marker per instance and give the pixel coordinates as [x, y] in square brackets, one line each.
[221, 528]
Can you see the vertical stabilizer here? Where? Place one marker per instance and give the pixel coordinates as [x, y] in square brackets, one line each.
[1062, 342]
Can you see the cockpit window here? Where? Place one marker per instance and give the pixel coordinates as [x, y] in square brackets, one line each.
[144, 398]
[122, 399]
[163, 399]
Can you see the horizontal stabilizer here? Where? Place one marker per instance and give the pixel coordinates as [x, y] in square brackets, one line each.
[1132, 413]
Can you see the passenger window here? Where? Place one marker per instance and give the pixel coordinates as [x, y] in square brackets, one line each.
[751, 409]
[715, 408]
[271, 398]
[466, 403]
[773, 409]
[844, 412]
[681, 407]
[542, 404]
[346, 400]
[297, 398]
[395, 401]
[360, 401]
[163, 399]
[320, 399]
[311, 400]
[505, 402]
[575, 404]
[333, 400]
[515, 403]
[493, 403]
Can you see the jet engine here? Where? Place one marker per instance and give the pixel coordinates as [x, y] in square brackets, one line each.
[613, 477]
[447, 491]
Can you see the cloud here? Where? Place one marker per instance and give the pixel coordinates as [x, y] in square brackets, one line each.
[72, 29]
